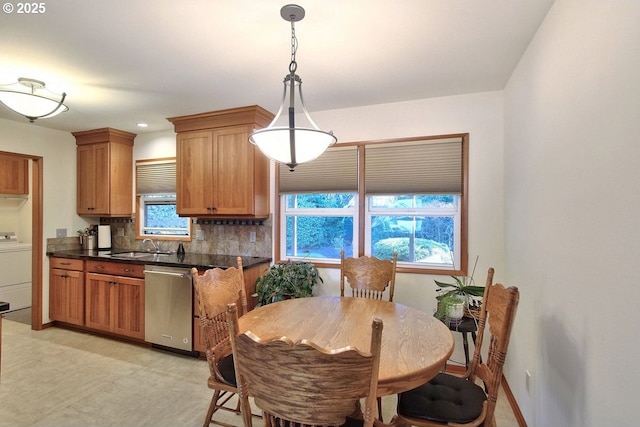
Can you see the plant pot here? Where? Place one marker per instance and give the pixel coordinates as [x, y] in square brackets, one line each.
[455, 313]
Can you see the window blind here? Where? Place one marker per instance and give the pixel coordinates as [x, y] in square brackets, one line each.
[416, 167]
[335, 171]
[156, 177]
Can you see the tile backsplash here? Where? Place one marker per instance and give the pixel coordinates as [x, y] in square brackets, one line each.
[220, 237]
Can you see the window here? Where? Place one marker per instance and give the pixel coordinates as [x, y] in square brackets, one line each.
[320, 225]
[420, 228]
[158, 216]
[374, 198]
[156, 200]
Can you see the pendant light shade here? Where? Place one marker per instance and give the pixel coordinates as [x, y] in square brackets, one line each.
[30, 98]
[283, 140]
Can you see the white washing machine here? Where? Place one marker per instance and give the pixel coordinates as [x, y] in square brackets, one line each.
[15, 271]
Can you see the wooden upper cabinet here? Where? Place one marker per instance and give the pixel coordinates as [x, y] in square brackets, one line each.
[219, 172]
[14, 174]
[105, 172]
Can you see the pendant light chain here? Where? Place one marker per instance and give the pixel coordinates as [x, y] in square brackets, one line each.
[293, 65]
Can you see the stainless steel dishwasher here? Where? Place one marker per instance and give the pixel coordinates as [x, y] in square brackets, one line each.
[168, 318]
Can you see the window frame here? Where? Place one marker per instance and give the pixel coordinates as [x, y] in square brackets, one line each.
[139, 222]
[164, 189]
[360, 236]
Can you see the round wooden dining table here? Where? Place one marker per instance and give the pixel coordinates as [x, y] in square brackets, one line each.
[415, 345]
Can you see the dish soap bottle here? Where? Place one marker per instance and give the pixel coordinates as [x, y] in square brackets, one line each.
[180, 251]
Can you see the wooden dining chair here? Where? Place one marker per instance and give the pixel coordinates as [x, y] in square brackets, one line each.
[215, 289]
[450, 400]
[368, 276]
[300, 384]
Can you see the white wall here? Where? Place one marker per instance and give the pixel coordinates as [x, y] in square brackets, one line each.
[15, 215]
[58, 150]
[479, 114]
[154, 145]
[571, 210]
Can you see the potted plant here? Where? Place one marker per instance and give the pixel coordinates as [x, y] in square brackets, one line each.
[291, 279]
[454, 297]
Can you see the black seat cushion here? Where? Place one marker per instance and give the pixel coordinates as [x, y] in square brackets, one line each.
[446, 398]
[350, 422]
[228, 371]
[353, 422]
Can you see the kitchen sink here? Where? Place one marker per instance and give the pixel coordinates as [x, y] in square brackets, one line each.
[162, 256]
[152, 256]
[131, 254]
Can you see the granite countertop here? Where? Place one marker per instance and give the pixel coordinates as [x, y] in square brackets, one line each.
[199, 261]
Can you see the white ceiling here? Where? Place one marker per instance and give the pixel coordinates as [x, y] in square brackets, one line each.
[125, 61]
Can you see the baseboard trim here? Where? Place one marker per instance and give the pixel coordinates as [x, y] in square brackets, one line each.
[460, 370]
[513, 403]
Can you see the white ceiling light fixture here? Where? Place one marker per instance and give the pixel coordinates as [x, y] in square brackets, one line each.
[30, 98]
[290, 144]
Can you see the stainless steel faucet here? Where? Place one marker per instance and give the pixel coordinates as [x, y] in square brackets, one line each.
[156, 247]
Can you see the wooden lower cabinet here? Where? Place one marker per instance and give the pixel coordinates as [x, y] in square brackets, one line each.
[115, 304]
[66, 291]
[109, 296]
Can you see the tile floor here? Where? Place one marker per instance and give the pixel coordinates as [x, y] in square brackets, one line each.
[57, 377]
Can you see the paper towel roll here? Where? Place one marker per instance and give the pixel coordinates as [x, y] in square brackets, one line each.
[104, 237]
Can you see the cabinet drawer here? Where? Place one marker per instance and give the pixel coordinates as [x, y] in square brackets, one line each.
[66, 263]
[116, 268]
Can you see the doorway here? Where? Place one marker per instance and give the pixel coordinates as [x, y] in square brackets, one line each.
[37, 248]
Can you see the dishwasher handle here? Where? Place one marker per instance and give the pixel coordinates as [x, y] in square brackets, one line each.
[168, 273]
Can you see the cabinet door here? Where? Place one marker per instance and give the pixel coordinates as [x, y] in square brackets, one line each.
[118, 190]
[99, 304]
[128, 296]
[198, 339]
[14, 174]
[57, 294]
[75, 297]
[66, 296]
[193, 173]
[86, 179]
[93, 179]
[102, 178]
[233, 172]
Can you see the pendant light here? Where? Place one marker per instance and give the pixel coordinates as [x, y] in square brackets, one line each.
[289, 143]
[29, 98]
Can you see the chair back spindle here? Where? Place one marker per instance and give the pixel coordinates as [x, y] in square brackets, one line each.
[368, 277]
